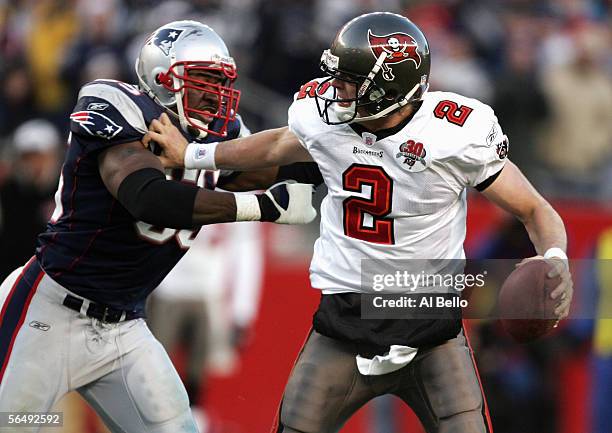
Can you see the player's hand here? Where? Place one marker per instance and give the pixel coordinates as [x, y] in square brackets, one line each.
[167, 136]
[565, 290]
[287, 203]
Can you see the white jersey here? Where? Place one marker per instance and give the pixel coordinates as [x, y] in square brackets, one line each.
[402, 196]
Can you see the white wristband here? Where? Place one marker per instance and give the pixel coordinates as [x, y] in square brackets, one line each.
[247, 207]
[555, 252]
[201, 156]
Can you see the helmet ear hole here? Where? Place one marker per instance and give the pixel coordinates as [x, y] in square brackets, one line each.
[376, 94]
[392, 95]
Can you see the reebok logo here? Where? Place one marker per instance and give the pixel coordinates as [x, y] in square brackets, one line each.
[39, 325]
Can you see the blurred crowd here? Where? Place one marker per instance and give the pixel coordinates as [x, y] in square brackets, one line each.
[544, 65]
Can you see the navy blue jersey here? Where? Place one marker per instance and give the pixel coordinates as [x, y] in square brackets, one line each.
[93, 246]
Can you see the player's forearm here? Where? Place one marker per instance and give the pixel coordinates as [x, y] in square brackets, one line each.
[258, 151]
[265, 149]
[213, 207]
[302, 172]
[261, 150]
[546, 229]
[249, 180]
[513, 193]
[149, 197]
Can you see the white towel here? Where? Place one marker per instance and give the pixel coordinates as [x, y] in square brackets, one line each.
[396, 358]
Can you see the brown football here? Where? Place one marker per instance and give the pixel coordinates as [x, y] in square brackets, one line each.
[524, 304]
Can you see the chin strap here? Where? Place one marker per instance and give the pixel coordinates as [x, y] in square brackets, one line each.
[401, 103]
[370, 78]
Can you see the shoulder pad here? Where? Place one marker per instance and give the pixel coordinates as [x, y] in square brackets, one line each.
[105, 114]
[303, 116]
[472, 131]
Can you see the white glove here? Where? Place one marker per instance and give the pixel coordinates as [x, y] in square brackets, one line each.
[282, 203]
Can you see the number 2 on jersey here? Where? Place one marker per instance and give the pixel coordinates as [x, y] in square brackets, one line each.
[378, 205]
[452, 112]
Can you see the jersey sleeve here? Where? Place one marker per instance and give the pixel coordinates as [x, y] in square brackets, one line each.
[293, 121]
[244, 130]
[485, 155]
[303, 116]
[235, 129]
[105, 116]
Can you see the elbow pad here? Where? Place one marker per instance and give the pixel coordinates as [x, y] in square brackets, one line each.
[151, 198]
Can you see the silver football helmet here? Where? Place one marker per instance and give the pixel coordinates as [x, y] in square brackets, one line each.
[186, 67]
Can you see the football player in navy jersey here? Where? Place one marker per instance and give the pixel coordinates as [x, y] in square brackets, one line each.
[72, 317]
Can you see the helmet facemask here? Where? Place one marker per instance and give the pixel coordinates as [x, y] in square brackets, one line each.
[203, 93]
[370, 101]
[364, 92]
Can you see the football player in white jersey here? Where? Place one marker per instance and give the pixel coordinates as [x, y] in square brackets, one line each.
[397, 161]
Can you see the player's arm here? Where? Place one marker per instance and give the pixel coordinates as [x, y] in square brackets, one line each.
[302, 172]
[269, 148]
[249, 180]
[135, 177]
[513, 193]
[264, 149]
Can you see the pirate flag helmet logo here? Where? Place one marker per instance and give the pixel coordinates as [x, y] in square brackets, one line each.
[398, 47]
[386, 58]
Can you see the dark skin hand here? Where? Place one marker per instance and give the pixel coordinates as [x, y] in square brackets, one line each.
[118, 162]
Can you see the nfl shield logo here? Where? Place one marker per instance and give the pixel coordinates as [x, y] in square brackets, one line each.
[368, 139]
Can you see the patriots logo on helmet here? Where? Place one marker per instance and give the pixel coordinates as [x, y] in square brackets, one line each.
[398, 47]
[96, 124]
[165, 39]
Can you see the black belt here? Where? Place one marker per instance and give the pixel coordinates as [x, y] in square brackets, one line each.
[102, 312]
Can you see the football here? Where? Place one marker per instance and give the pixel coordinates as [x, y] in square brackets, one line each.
[525, 308]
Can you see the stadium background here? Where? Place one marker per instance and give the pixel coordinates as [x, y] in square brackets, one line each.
[545, 67]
